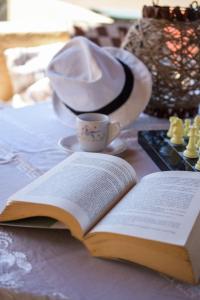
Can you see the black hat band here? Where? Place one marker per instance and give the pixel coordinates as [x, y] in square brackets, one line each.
[119, 100]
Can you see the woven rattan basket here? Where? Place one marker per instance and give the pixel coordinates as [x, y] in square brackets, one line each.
[167, 40]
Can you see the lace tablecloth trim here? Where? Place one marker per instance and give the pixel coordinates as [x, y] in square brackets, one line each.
[13, 264]
[7, 156]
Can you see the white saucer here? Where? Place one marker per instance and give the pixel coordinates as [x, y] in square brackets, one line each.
[70, 144]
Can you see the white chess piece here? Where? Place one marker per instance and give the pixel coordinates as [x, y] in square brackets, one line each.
[171, 120]
[177, 132]
[187, 124]
[191, 150]
[196, 122]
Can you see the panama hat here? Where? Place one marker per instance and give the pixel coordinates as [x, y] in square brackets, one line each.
[88, 78]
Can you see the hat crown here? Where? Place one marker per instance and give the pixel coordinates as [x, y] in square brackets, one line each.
[89, 78]
[87, 73]
[83, 61]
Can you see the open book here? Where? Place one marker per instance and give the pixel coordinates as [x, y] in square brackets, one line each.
[154, 222]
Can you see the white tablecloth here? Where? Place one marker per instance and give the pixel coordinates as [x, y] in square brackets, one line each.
[50, 264]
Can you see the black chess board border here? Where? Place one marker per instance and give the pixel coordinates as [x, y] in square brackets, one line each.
[166, 156]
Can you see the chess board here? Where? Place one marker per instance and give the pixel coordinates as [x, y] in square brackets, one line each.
[165, 155]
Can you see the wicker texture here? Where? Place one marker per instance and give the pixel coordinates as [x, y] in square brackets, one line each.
[171, 51]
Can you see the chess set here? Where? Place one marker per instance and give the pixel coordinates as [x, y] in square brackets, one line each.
[176, 148]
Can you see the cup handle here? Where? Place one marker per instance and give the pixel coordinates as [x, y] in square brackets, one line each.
[113, 131]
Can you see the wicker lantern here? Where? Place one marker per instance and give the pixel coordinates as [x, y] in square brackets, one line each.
[167, 40]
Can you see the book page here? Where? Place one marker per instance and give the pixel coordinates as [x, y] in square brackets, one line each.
[85, 185]
[162, 207]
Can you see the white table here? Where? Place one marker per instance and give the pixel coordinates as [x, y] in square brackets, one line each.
[50, 264]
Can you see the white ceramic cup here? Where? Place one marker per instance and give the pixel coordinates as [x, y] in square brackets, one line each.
[95, 131]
